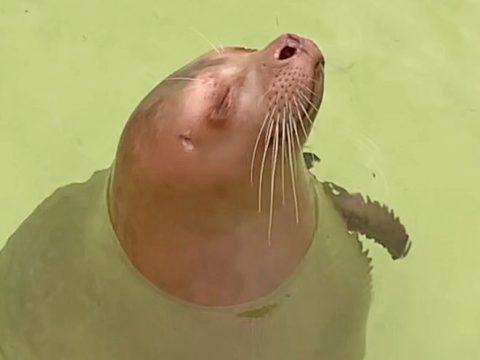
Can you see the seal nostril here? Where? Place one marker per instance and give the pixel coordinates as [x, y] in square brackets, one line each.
[287, 52]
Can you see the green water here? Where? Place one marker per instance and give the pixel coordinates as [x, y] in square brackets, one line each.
[402, 102]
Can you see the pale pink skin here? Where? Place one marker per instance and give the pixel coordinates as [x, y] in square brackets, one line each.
[181, 200]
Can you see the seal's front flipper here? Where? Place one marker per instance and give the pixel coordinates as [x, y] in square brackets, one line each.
[310, 159]
[371, 219]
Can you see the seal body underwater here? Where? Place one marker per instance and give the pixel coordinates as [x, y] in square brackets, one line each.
[208, 237]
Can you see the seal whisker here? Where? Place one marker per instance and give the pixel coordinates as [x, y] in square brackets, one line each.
[293, 121]
[307, 116]
[221, 46]
[183, 79]
[265, 94]
[262, 166]
[307, 100]
[272, 120]
[255, 148]
[283, 154]
[272, 181]
[207, 40]
[300, 120]
[292, 172]
[309, 90]
[314, 80]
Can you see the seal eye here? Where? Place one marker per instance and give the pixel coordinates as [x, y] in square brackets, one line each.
[241, 48]
[286, 53]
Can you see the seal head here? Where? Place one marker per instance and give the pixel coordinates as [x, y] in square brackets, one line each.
[224, 100]
[209, 167]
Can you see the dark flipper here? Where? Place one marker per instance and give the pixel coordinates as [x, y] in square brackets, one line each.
[371, 219]
[310, 159]
[367, 217]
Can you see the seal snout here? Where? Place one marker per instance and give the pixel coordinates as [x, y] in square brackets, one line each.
[288, 46]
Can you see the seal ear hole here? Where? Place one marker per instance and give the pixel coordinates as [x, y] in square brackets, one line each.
[186, 141]
[286, 53]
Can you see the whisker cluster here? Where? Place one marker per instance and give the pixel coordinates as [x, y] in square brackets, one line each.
[281, 138]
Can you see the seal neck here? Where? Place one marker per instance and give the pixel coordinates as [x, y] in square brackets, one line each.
[211, 248]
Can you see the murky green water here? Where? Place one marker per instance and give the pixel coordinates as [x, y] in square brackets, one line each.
[399, 122]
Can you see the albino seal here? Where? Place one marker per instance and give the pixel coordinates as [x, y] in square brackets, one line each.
[207, 238]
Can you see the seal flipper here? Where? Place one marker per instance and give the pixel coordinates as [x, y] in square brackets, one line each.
[370, 218]
[310, 159]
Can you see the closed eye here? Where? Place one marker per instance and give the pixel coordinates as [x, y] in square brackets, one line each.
[222, 104]
[239, 48]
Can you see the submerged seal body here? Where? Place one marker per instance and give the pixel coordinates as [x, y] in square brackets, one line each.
[208, 237]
